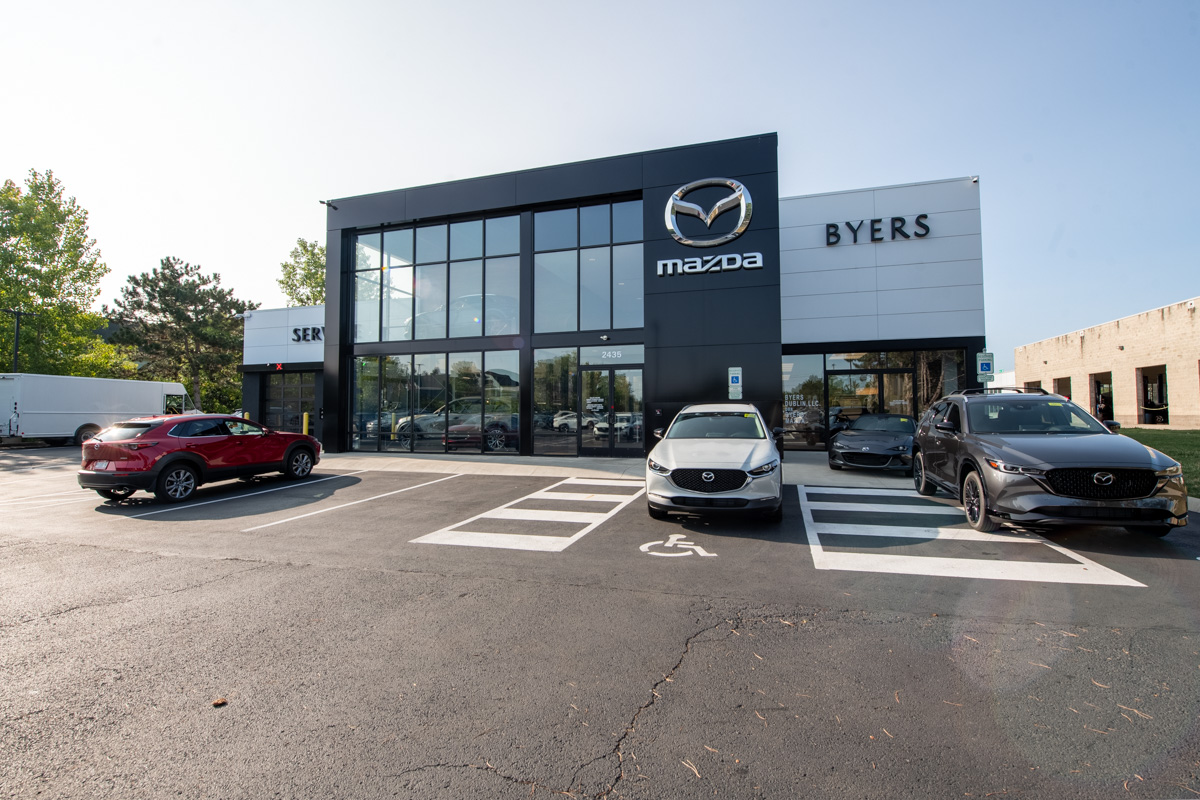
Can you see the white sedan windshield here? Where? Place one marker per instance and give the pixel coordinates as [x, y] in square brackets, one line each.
[719, 425]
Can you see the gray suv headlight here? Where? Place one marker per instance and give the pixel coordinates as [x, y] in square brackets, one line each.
[1014, 469]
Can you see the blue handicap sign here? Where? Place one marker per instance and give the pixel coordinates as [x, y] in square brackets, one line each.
[985, 366]
[735, 379]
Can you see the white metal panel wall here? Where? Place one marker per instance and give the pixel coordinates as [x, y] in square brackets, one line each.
[916, 288]
[269, 335]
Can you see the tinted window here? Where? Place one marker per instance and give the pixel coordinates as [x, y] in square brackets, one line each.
[593, 225]
[503, 236]
[431, 244]
[627, 221]
[555, 299]
[953, 416]
[718, 425]
[123, 431]
[883, 422]
[555, 230]
[466, 240]
[200, 427]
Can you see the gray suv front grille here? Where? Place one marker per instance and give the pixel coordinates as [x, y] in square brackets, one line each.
[1126, 484]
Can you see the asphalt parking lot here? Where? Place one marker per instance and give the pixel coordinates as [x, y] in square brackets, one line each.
[458, 627]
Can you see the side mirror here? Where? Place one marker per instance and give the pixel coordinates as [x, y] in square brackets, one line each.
[1112, 425]
[658, 433]
[777, 433]
[946, 427]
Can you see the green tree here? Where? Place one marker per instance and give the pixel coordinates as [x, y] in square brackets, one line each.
[303, 278]
[182, 326]
[50, 271]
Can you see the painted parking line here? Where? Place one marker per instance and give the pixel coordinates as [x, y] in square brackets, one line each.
[347, 505]
[877, 515]
[578, 507]
[291, 485]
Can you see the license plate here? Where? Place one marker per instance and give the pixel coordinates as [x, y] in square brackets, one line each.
[100, 465]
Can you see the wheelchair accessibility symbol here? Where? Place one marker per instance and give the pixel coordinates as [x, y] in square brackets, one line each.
[676, 541]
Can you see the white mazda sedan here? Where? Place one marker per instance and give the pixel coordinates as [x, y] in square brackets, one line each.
[716, 458]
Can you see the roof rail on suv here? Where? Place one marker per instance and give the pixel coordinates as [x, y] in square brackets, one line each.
[998, 390]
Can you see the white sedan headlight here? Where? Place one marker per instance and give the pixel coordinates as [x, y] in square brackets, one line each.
[656, 467]
[765, 469]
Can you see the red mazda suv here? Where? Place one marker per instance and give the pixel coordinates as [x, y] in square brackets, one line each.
[173, 455]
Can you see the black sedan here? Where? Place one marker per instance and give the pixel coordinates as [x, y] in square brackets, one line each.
[874, 441]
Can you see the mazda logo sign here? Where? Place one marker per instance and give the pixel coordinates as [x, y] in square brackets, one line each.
[707, 477]
[677, 205]
[1103, 478]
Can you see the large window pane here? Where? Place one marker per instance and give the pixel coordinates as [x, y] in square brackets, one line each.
[466, 298]
[398, 304]
[502, 307]
[555, 230]
[366, 251]
[394, 405]
[466, 240]
[364, 405]
[503, 236]
[366, 306]
[431, 244]
[628, 292]
[427, 424]
[593, 225]
[836, 361]
[555, 292]
[627, 221]
[555, 402]
[803, 402]
[594, 289]
[430, 297]
[501, 396]
[397, 248]
[464, 404]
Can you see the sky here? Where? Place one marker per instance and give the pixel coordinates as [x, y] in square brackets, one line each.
[210, 131]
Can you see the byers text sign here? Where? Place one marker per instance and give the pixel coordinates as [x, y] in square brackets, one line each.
[874, 229]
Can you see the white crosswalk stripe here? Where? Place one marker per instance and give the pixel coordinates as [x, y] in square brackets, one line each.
[857, 502]
[594, 508]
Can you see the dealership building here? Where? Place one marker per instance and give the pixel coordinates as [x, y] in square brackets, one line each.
[571, 310]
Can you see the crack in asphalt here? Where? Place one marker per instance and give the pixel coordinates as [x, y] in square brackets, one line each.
[139, 598]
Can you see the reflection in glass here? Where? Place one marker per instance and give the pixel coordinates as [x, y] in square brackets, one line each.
[366, 306]
[837, 361]
[464, 404]
[397, 248]
[851, 396]
[594, 289]
[431, 244]
[555, 230]
[427, 424]
[503, 236]
[596, 396]
[466, 298]
[593, 225]
[629, 419]
[366, 251]
[394, 406]
[364, 405]
[501, 395]
[556, 403]
[466, 240]
[803, 403]
[502, 282]
[628, 293]
[939, 372]
[897, 394]
[555, 293]
[430, 294]
[627, 221]
[398, 304]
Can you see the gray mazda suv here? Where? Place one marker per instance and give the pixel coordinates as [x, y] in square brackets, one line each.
[1037, 459]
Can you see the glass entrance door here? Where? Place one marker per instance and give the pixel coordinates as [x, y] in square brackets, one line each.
[613, 410]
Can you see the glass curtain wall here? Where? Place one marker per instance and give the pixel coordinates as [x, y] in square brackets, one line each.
[556, 402]
[587, 268]
[450, 280]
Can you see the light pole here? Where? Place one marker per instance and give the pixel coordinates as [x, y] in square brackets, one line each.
[17, 332]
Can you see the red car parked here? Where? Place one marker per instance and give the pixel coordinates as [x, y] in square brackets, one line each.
[173, 455]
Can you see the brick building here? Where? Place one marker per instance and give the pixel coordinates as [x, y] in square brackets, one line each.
[1139, 370]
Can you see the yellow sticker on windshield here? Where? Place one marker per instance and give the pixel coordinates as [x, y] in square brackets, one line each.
[904, 419]
[747, 415]
[1054, 404]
